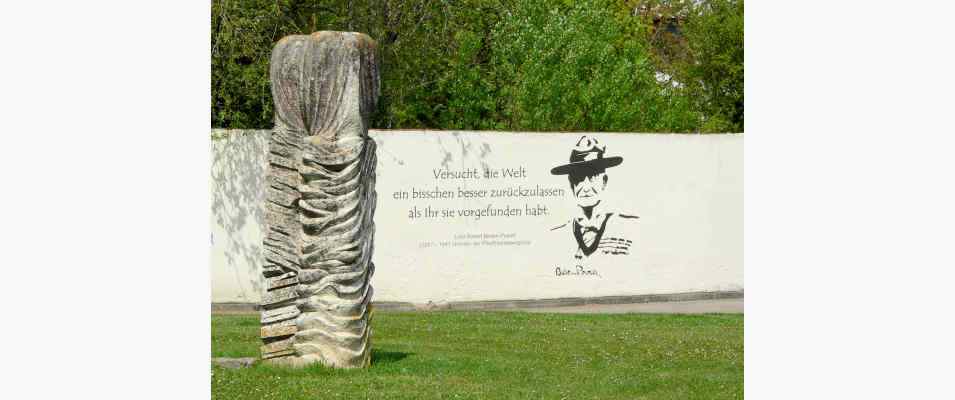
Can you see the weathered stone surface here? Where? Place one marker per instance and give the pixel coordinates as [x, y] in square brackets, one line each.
[279, 314]
[282, 281]
[278, 331]
[320, 201]
[277, 346]
[283, 328]
[233, 363]
[275, 296]
[288, 355]
[272, 270]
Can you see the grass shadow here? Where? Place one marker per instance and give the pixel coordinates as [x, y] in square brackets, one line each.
[387, 357]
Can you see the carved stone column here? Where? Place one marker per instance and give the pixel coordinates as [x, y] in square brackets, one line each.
[320, 201]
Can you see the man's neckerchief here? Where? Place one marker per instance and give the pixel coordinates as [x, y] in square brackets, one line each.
[588, 250]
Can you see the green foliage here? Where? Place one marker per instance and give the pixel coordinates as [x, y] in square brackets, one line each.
[700, 45]
[427, 81]
[572, 71]
[242, 37]
[434, 71]
[496, 64]
[715, 38]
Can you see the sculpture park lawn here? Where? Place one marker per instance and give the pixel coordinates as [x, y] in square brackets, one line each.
[506, 355]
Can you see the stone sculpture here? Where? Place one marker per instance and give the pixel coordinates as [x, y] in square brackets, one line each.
[320, 201]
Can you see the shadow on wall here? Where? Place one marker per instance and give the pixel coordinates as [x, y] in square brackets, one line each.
[238, 173]
[471, 152]
[239, 162]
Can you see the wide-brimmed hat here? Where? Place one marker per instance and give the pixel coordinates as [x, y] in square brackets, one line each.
[587, 155]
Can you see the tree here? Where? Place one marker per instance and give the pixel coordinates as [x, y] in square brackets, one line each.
[714, 32]
[572, 68]
[506, 64]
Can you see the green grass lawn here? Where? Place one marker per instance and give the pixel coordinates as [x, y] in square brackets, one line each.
[506, 355]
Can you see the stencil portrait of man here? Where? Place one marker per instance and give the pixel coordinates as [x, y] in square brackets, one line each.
[596, 232]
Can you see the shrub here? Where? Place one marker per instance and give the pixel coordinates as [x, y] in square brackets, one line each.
[573, 68]
[500, 64]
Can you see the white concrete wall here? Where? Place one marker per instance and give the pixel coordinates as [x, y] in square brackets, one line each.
[686, 190]
[237, 183]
